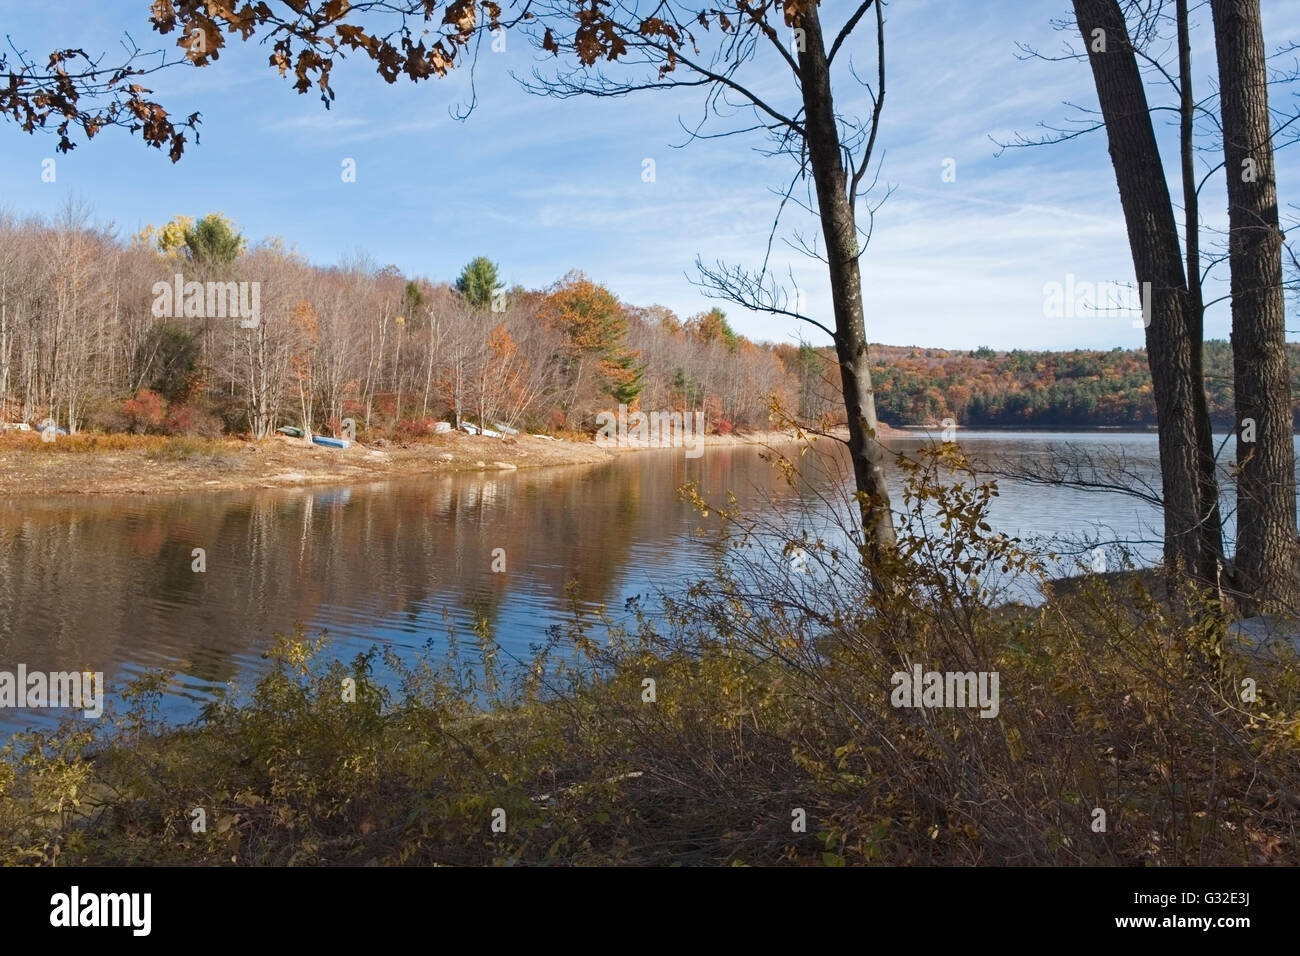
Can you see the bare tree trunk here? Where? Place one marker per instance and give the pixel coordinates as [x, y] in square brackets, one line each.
[1181, 411]
[397, 371]
[428, 375]
[1267, 555]
[482, 396]
[458, 372]
[28, 384]
[1209, 480]
[839, 228]
[305, 404]
[4, 361]
[379, 365]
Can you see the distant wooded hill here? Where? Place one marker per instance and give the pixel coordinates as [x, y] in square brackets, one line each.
[1020, 388]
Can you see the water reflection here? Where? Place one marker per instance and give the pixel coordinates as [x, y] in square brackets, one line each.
[106, 584]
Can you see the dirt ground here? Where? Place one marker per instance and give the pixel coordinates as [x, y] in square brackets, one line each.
[120, 464]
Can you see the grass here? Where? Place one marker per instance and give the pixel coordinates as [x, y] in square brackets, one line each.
[166, 447]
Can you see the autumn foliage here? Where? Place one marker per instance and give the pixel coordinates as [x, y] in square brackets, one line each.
[597, 363]
[144, 412]
[379, 347]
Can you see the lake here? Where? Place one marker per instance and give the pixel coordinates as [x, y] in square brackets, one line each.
[106, 583]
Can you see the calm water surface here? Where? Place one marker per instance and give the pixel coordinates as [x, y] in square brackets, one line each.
[105, 583]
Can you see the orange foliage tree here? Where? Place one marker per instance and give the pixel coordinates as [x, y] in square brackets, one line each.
[596, 359]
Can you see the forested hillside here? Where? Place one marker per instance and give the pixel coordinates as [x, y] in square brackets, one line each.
[1017, 389]
[101, 333]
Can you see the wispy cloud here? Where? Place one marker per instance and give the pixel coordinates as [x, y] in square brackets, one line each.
[543, 185]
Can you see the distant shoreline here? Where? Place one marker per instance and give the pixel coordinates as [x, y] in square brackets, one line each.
[1084, 429]
[1216, 429]
[118, 464]
[94, 464]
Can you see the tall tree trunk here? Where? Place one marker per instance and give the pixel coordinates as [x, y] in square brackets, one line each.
[428, 376]
[1209, 481]
[1182, 414]
[457, 373]
[397, 372]
[1267, 555]
[4, 361]
[839, 229]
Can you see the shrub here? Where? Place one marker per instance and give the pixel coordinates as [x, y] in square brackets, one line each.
[144, 413]
[416, 428]
[231, 413]
[192, 421]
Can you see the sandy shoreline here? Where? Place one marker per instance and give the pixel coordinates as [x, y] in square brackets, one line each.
[119, 464]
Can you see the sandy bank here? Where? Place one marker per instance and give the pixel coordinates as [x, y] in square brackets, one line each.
[125, 464]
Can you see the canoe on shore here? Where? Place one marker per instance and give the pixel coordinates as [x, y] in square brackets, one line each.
[330, 442]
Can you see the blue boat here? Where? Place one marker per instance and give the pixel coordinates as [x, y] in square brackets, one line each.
[330, 442]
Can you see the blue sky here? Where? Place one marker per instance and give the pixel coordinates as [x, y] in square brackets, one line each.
[544, 186]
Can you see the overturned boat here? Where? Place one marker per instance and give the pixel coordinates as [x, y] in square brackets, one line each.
[327, 442]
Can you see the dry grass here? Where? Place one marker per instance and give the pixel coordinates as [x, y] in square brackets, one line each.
[88, 442]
